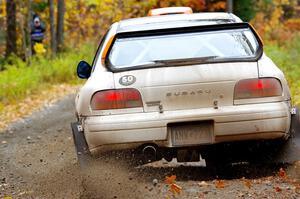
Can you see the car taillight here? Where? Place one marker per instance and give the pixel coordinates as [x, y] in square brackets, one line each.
[256, 88]
[116, 99]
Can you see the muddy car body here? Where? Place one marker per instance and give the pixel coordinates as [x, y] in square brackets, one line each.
[180, 82]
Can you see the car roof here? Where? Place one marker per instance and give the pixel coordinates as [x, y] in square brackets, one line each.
[175, 21]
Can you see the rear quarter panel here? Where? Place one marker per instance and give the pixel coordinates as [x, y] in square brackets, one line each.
[98, 81]
[267, 68]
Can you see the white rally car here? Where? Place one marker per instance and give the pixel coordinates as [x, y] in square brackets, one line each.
[178, 85]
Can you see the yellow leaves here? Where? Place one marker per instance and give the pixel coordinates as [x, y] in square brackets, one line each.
[281, 2]
[275, 16]
[95, 2]
[2, 9]
[272, 24]
[39, 48]
[87, 19]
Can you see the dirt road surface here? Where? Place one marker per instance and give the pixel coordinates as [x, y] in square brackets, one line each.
[38, 160]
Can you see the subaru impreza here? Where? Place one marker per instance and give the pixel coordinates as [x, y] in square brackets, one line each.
[174, 86]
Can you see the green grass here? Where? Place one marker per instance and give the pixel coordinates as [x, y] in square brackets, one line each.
[20, 80]
[287, 58]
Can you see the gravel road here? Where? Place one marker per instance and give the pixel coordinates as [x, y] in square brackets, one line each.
[37, 160]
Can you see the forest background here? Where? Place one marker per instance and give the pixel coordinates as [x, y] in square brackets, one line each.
[74, 29]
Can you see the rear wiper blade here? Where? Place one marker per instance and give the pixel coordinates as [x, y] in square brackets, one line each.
[145, 64]
[186, 60]
[170, 62]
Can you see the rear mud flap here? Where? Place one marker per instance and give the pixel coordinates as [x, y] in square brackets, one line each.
[82, 151]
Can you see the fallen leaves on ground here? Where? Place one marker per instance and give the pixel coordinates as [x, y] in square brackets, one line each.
[170, 179]
[13, 112]
[278, 189]
[220, 184]
[173, 187]
[247, 183]
[282, 174]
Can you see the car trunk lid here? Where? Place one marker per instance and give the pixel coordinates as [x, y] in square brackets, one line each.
[187, 87]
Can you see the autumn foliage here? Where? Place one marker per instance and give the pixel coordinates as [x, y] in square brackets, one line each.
[92, 18]
[277, 21]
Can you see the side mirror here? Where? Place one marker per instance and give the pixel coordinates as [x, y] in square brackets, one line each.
[83, 70]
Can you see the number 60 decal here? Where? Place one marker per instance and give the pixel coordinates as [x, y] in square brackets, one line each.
[127, 80]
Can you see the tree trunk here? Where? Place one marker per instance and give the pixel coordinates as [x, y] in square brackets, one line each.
[29, 19]
[11, 36]
[52, 27]
[60, 24]
[229, 6]
[22, 26]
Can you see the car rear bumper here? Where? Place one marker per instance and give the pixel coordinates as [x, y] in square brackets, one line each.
[231, 123]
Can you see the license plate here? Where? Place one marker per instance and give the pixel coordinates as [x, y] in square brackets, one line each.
[192, 134]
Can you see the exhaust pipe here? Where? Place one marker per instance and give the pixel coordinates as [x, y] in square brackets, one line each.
[149, 153]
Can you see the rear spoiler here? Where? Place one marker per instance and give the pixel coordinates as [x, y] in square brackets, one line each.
[202, 28]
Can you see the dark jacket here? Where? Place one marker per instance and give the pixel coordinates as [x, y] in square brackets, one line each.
[37, 32]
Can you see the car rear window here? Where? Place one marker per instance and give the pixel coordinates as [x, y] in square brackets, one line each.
[191, 47]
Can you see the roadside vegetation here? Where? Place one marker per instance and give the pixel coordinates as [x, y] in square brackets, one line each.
[287, 58]
[278, 22]
[20, 80]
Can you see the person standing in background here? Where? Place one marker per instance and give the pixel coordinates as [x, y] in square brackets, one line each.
[37, 31]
